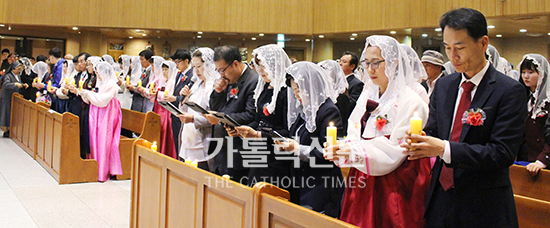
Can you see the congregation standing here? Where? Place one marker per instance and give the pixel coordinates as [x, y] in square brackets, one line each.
[478, 118]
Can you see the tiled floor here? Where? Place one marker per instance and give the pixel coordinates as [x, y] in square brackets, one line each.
[30, 197]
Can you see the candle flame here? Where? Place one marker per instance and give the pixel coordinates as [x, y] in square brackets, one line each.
[331, 124]
[415, 114]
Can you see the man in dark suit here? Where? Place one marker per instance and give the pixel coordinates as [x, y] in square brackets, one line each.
[137, 98]
[233, 95]
[349, 63]
[182, 58]
[433, 64]
[470, 184]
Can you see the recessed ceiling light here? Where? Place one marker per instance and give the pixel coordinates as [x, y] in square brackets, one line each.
[393, 32]
[75, 28]
[491, 27]
[352, 38]
[549, 33]
[354, 34]
[131, 37]
[523, 30]
[307, 40]
[261, 34]
[137, 30]
[498, 35]
[437, 29]
[253, 38]
[144, 34]
[2, 25]
[199, 32]
[424, 35]
[78, 32]
[199, 37]
[321, 36]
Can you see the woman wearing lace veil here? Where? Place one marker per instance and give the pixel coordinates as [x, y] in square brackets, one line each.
[150, 91]
[534, 70]
[196, 130]
[105, 120]
[67, 73]
[124, 96]
[384, 189]
[270, 61]
[340, 85]
[310, 111]
[27, 77]
[500, 63]
[41, 71]
[418, 72]
[169, 71]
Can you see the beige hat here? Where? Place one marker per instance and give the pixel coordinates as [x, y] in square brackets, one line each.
[432, 57]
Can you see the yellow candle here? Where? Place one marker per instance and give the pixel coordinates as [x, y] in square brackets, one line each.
[66, 81]
[188, 161]
[152, 86]
[73, 82]
[154, 146]
[166, 93]
[49, 84]
[139, 83]
[80, 85]
[117, 74]
[331, 134]
[38, 80]
[416, 124]
[128, 80]
[37, 95]
[225, 176]
[195, 163]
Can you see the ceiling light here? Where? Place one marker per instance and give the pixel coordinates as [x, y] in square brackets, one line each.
[199, 37]
[321, 36]
[354, 34]
[523, 30]
[78, 32]
[393, 32]
[491, 27]
[9, 28]
[307, 40]
[261, 34]
[438, 29]
[199, 32]
[498, 35]
[131, 37]
[424, 35]
[253, 38]
[352, 38]
[549, 33]
[144, 34]
[137, 30]
[75, 28]
[2, 25]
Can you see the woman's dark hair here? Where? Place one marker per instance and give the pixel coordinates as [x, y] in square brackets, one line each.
[465, 18]
[41, 58]
[288, 78]
[119, 60]
[529, 65]
[198, 54]
[164, 65]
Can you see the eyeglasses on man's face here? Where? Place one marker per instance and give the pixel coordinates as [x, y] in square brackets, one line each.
[222, 71]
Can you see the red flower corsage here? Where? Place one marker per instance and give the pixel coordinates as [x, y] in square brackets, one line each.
[266, 112]
[381, 121]
[183, 78]
[233, 92]
[542, 113]
[143, 75]
[474, 117]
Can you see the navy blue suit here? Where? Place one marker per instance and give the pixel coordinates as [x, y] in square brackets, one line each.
[482, 195]
[176, 122]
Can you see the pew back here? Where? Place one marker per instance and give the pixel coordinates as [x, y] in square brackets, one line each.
[525, 184]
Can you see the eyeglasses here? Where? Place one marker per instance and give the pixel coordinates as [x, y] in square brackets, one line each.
[373, 65]
[223, 70]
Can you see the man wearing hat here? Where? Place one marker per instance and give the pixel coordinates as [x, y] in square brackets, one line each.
[433, 63]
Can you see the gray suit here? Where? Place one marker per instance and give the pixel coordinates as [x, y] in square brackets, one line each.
[137, 99]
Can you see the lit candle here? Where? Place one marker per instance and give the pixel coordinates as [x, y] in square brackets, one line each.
[415, 126]
[73, 82]
[117, 74]
[154, 146]
[80, 85]
[37, 95]
[225, 176]
[188, 161]
[139, 83]
[49, 84]
[128, 80]
[166, 93]
[331, 134]
[66, 81]
[195, 163]
[38, 80]
[152, 87]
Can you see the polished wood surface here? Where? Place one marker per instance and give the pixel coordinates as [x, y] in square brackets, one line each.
[532, 213]
[525, 184]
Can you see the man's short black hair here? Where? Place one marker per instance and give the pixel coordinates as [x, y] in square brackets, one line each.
[228, 53]
[32, 58]
[354, 59]
[465, 18]
[146, 54]
[5, 50]
[55, 52]
[181, 54]
[85, 54]
[41, 58]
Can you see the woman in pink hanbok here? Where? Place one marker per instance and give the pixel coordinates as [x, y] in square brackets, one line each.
[105, 119]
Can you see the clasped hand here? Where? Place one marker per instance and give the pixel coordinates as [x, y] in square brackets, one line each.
[422, 146]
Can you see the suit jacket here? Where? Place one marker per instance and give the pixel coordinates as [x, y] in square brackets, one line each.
[425, 85]
[535, 146]
[137, 99]
[241, 107]
[482, 194]
[176, 122]
[355, 87]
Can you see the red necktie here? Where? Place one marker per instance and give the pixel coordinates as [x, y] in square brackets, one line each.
[446, 176]
[371, 106]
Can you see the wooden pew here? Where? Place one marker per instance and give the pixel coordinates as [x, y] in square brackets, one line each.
[273, 209]
[56, 150]
[147, 125]
[532, 212]
[524, 184]
[169, 193]
[24, 123]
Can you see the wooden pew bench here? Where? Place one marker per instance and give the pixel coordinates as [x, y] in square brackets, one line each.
[24, 123]
[532, 196]
[147, 125]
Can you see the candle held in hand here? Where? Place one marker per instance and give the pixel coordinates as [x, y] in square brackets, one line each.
[154, 146]
[331, 134]
[80, 85]
[139, 83]
[128, 80]
[415, 126]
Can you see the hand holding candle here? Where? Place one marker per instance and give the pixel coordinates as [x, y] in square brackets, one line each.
[128, 80]
[416, 125]
[66, 81]
[139, 83]
[80, 85]
[331, 134]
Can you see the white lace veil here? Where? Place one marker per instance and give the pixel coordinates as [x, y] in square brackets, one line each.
[275, 61]
[157, 77]
[210, 73]
[40, 69]
[418, 70]
[125, 64]
[493, 56]
[449, 68]
[70, 71]
[172, 72]
[95, 60]
[315, 89]
[106, 76]
[28, 65]
[137, 70]
[109, 59]
[336, 74]
[543, 90]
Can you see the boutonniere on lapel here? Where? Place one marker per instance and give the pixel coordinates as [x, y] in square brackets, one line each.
[542, 113]
[183, 78]
[474, 117]
[381, 121]
[143, 75]
[266, 112]
[233, 93]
